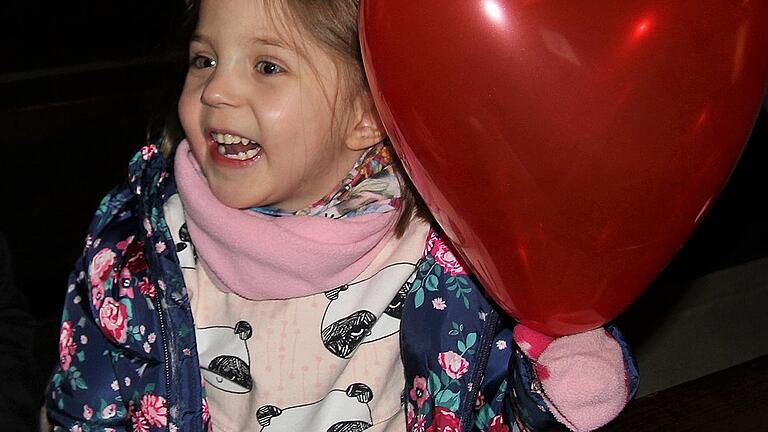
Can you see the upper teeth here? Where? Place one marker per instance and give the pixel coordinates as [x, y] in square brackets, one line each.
[230, 139]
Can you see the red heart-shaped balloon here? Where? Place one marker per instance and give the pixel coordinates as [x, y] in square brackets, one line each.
[567, 148]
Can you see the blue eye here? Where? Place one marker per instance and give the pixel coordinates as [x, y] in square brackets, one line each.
[202, 62]
[268, 68]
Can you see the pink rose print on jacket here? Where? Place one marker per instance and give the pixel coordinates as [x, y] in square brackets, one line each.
[147, 288]
[109, 411]
[99, 271]
[439, 304]
[430, 241]
[419, 392]
[139, 422]
[136, 261]
[497, 425]
[97, 295]
[479, 401]
[123, 245]
[444, 420]
[453, 364]
[155, 409]
[67, 345]
[207, 416]
[147, 151]
[416, 423]
[87, 412]
[446, 259]
[113, 320]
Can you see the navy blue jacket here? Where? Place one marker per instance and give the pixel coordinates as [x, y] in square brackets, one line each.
[128, 358]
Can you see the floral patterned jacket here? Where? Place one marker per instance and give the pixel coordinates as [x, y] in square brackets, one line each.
[128, 359]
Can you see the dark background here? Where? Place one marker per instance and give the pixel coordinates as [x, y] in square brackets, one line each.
[79, 83]
[81, 80]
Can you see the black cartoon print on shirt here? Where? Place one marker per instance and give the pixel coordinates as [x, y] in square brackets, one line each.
[339, 411]
[347, 323]
[185, 250]
[224, 357]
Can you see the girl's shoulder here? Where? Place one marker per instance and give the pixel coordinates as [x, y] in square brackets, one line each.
[147, 183]
[443, 266]
[125, 220]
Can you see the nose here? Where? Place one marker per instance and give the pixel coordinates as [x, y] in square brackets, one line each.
[221, 89]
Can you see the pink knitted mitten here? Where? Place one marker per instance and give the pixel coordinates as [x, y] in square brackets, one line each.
[582, 376]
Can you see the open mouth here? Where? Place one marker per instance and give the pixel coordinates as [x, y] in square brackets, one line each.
[236, 147]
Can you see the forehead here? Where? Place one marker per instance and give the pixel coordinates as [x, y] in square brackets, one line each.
[247, 21]
[243, 26]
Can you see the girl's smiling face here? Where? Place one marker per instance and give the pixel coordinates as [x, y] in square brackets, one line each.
[249, 77]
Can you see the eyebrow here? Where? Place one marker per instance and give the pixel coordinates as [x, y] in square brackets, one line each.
[270, 42]
[275, 42]
[197, 37]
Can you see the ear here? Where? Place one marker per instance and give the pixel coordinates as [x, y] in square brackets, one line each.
[366, 129]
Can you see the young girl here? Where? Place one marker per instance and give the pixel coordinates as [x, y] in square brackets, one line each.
[271, 271]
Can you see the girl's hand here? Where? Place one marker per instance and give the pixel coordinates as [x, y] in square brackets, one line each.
[582, 376]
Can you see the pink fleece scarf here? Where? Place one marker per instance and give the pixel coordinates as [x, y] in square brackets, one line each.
[261, 257]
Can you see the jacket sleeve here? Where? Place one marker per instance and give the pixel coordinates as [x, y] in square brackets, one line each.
[84, 390]
[512, 394]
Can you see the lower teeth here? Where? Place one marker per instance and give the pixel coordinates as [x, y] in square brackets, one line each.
[243, 155]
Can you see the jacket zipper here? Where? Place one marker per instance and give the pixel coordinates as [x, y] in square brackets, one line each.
[163, 328]
[467, 418]
[166, 359]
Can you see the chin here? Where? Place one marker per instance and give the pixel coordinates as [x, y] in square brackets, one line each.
[235, 200]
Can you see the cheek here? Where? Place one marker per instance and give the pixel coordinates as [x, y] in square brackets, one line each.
[189, 109]
[189, 115]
